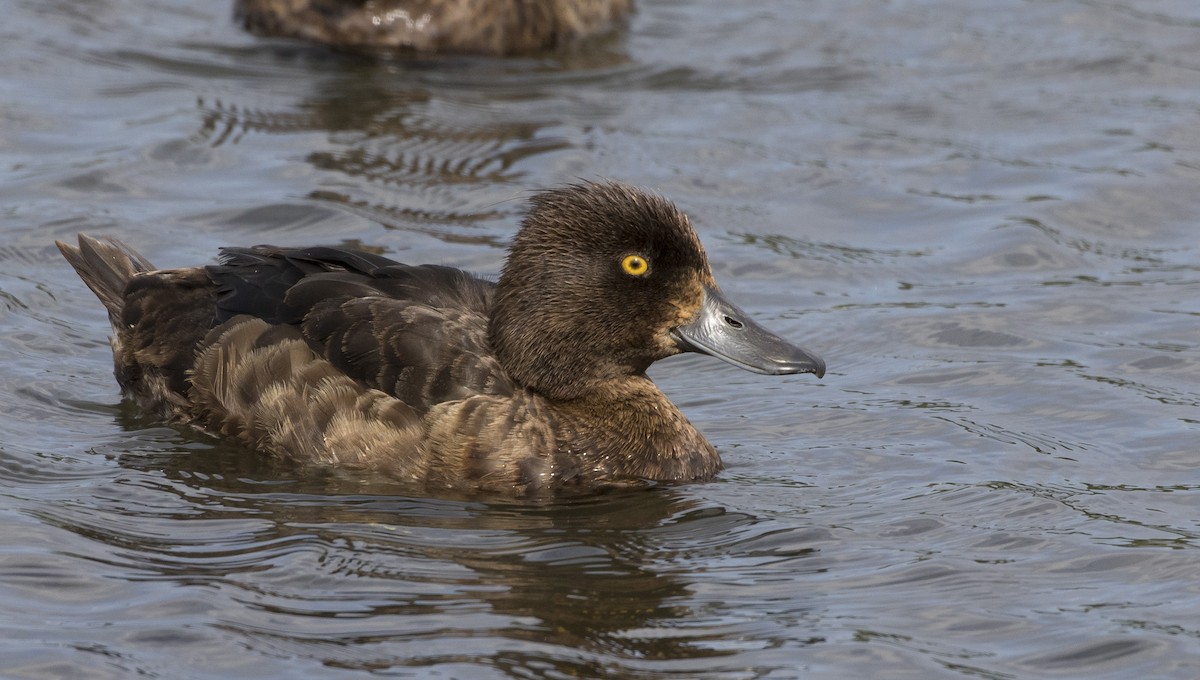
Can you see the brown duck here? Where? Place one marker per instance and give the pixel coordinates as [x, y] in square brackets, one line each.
[498, 27]
[423, 372]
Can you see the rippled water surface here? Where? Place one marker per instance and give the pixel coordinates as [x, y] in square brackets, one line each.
[984, 214]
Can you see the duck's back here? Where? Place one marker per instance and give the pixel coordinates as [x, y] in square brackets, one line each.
[317, 354]
[418, 333]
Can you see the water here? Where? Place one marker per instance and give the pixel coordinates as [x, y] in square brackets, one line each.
[983, 215]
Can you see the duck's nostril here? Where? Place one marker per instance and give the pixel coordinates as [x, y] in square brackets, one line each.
[733, 323]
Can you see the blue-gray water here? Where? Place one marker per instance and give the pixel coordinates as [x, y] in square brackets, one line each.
[984, 214]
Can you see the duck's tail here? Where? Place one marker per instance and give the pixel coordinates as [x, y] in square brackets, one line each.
[158, 317]
[106, 265]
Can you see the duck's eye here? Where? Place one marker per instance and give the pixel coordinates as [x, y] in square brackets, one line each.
[635, 265]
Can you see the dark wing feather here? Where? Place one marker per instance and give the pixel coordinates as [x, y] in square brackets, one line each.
[416, 332]
[256, 280]
[422, 355]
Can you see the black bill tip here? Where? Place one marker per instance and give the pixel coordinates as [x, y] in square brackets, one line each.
[722, 330]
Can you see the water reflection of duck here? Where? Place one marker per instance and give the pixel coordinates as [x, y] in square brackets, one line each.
[431, 375]
[476, 26]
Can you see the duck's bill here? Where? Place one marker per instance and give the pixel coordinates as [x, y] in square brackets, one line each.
[722, 330]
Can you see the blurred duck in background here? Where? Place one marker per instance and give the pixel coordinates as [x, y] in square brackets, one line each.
[490, 27]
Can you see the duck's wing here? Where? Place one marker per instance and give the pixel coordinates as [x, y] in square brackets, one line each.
[418, 333]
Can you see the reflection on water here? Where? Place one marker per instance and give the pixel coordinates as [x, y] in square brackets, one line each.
[982, 214]
[332, 569]
[414, 168]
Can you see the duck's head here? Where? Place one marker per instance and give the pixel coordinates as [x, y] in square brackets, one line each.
[604, 279]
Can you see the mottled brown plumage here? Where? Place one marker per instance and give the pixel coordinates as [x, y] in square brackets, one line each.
[428, 374]
[497, 27]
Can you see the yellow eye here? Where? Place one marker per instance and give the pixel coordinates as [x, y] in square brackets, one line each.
[635, 265]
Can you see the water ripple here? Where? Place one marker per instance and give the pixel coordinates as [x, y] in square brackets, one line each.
[984, 219]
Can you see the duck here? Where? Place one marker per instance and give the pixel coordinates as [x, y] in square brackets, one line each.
[532, 385]
[487, 27]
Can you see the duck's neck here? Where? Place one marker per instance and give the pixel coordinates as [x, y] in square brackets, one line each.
[630, 430]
